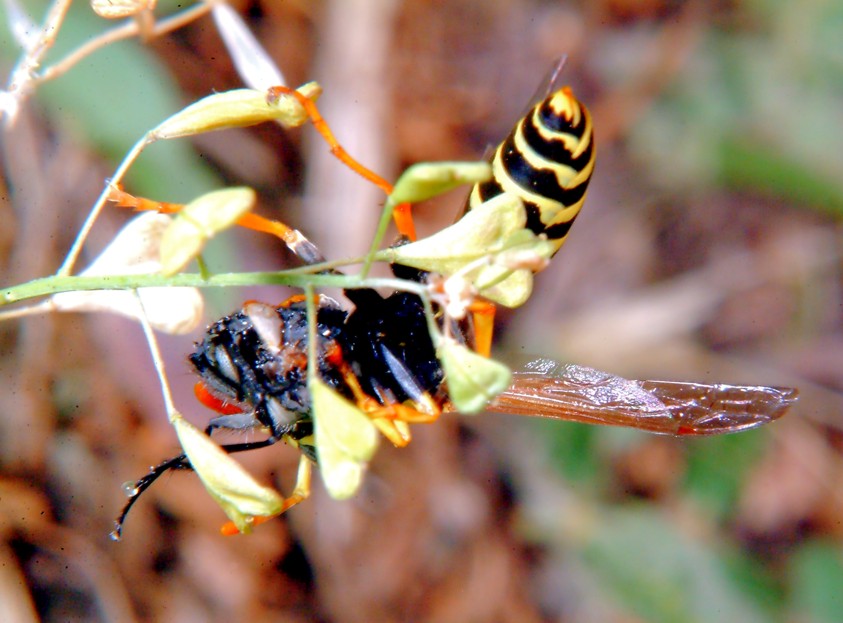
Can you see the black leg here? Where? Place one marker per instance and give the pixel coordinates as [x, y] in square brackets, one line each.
[177, 462]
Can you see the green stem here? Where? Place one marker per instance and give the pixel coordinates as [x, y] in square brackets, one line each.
[386, 216]
[56, 284]
[157, 360]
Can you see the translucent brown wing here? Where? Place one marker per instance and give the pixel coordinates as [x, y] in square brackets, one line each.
[546, 388]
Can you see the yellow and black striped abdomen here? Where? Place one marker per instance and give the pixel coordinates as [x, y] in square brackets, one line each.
[547, 161]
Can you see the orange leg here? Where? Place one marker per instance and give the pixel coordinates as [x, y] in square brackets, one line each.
[296, 298]
[401, 213]
[483, 316]
[123, 199]
[390, 419]
[299, 494]
[293, 238]
[213, 402]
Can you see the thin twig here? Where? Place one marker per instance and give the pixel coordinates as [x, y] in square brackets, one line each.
[157, 359]
[76, 248]
[22, 79]
[125, 31]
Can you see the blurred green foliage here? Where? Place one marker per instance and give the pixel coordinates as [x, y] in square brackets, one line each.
[757, 108]
[655, 570]
[816, 578]
[657, 563]
[717, 467]
[111, 99]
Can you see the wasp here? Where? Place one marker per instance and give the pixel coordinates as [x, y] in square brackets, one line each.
[253, 364]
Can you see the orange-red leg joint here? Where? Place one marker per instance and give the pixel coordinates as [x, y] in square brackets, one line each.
[268, 226]
[403, 216]
[296, 298]
[483, 317]
[299, 494]
[210, 400]
[122, 199]
[391, 419]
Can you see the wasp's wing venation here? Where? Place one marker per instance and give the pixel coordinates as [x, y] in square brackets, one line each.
[576, 393]
[580, 394]
[702, 409]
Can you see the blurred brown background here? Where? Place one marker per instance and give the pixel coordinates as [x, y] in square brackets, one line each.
[708, 250]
